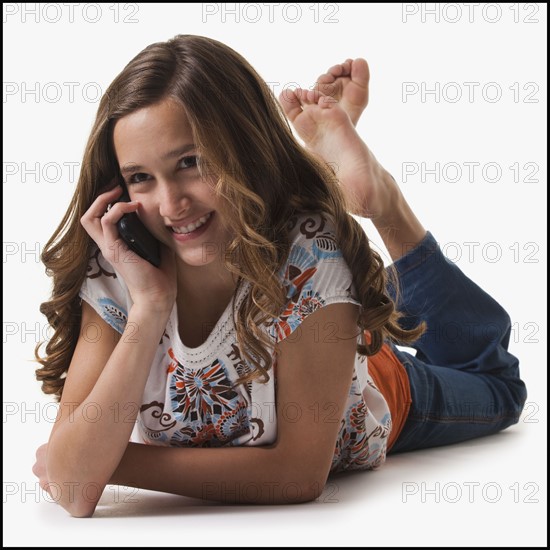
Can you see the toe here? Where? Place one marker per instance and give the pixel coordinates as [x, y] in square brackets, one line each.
[360, 72]
[346, 67]
[291, 103]
[312, 96]
[326, 78]
[337, 70]
[327, 86]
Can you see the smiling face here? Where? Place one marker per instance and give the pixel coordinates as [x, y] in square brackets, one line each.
[158, 161]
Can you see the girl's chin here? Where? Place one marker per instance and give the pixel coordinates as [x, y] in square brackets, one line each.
[196, 260]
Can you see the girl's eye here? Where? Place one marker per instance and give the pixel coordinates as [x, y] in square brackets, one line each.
[189, 162]
[137, 178]
[185, 163]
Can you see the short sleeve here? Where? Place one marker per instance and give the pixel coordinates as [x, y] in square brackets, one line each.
[315, 274]
[106, 292]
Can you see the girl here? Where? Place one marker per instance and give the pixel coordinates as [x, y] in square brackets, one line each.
[242, 359]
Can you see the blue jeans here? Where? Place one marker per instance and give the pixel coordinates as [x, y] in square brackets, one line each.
[464, 383]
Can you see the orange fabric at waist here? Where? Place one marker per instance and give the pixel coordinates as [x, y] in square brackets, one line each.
[392, 380]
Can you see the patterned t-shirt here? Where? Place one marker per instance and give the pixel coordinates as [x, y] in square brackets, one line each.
[190, 399]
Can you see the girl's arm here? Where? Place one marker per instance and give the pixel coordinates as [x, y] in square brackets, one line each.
[100, 402]
[108, 375]
[314, 376]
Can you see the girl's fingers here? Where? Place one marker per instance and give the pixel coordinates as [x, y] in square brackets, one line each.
[110, 219]
[100, 222]
[99, 206]
[91, 220]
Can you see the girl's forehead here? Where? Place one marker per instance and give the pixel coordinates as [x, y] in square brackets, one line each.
[161, 127]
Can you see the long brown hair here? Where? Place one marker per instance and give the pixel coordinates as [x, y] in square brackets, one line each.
[263, 174]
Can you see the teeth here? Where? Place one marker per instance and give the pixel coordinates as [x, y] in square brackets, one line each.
[192, 226]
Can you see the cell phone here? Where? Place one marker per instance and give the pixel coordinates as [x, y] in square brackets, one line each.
[136, 236]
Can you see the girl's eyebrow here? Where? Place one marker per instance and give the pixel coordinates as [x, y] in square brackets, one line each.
[132, 168]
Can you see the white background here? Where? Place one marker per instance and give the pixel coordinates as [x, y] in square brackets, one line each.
[499, 49]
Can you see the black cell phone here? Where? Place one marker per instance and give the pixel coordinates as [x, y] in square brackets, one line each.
[136, 236]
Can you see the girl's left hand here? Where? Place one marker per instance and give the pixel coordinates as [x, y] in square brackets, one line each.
[39, 468]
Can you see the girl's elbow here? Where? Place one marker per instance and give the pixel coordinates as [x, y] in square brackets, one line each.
[302, 475]
[78, 498]
[76, 504]
[81, 510]
[301, 488]
[300, 493]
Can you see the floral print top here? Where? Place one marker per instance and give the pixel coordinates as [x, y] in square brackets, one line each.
[190, 400]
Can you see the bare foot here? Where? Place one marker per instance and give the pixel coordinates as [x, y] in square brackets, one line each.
[347, 83]
[328, 131]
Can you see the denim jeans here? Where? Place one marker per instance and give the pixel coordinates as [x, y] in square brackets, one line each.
[464, 383]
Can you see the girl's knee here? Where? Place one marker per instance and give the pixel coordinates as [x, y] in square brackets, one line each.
[519, 390]
[517, 396]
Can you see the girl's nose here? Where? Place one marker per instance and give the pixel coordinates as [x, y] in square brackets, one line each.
[173, 202]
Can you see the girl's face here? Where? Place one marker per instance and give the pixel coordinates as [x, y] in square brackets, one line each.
[158, 161]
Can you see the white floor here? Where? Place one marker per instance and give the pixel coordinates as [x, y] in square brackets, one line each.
[486, 492]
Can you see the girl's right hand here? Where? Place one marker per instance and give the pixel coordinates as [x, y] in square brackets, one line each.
[149, 286]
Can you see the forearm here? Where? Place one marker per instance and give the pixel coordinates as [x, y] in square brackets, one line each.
[88, 442]
[399, 227]
[243, 475]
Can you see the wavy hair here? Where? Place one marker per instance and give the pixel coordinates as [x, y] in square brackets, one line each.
[263, 175]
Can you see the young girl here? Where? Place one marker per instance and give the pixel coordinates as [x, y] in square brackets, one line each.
[243, 357]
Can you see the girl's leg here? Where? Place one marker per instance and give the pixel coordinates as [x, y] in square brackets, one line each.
[464, 382]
